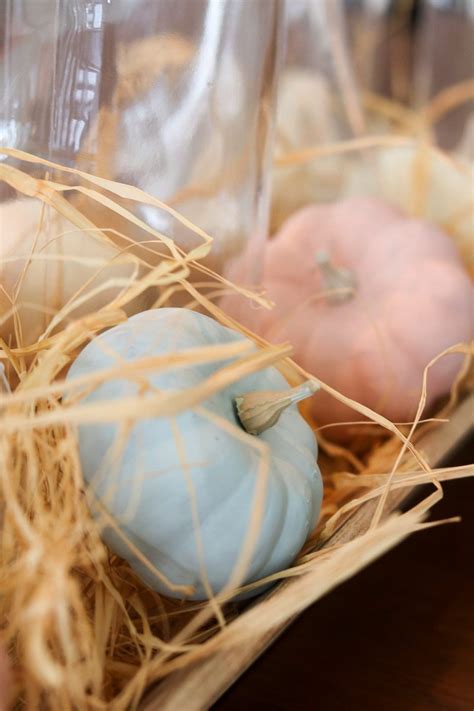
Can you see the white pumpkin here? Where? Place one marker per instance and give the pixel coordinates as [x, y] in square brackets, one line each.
[393, 173]
[59, 261]
[308, 114]
[148, 491]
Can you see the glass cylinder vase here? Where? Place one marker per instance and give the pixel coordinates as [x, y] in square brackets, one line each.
[172, 96]
[318, 105]
[444, 61]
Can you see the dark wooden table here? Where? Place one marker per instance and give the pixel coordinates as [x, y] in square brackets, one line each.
[398, 637]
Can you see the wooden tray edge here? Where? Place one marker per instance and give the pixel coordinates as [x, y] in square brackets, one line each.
[216, 673]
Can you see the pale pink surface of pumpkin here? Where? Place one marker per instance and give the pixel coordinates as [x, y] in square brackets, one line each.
[412, 299]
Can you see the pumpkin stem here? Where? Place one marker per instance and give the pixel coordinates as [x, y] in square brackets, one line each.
[339, 282]
[258, 411]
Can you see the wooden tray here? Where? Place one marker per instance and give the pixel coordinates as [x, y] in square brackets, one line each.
[198, 686]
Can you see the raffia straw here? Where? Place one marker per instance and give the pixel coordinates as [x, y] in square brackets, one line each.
[459, 348]
[129, 192]
[160, 404]
[394, 480]
[70, 339]
[331, 425]
[450, 98]
[355, 145]
[408, 478]
[104, 635]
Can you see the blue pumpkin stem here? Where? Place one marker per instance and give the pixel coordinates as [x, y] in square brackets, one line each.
[258, 411]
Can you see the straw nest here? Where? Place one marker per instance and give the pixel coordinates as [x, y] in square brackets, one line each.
[81, 629]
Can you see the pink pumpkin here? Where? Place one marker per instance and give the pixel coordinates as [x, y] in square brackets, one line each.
[367, 296]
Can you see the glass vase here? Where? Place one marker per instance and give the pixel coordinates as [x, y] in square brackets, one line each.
[172, 96]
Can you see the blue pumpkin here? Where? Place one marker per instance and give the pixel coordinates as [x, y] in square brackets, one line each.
[146, 488]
